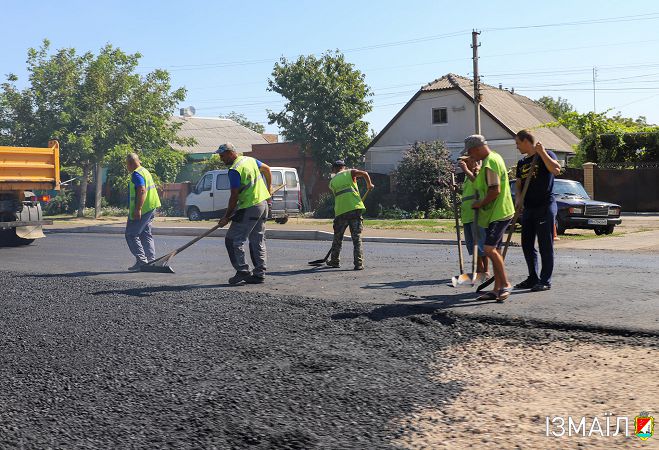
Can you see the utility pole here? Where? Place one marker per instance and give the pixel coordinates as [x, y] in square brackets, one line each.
[594, 78]
[477, 91]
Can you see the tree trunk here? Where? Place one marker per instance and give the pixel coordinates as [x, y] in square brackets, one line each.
[83, 190]
[303, 170]
[99, 190]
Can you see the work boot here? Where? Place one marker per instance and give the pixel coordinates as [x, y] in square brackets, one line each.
[539, 287]
[137, 266]
[240, 277]
[255, 279]
[359, 267]
[334, 264]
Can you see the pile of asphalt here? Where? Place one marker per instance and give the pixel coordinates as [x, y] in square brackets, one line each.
[90, 363]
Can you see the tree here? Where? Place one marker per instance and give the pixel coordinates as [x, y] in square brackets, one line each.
[556, 107]
[242, 120]
[326, 100]
[91, 103]
[423, 177]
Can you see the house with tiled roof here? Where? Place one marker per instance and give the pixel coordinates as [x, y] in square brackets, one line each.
[444, 110]
[209, 133]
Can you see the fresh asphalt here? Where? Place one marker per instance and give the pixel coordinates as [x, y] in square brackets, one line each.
[591, 289]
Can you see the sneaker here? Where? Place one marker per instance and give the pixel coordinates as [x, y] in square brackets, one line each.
[240, 277]
[334, 264]
[539, 287]
[359, 267]
[526, 284]
[255, 279]
[137, 266]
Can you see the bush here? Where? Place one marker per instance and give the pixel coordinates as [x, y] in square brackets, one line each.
[325, 207]
[109, 211]
[170, 208]
[64, 203]
[442, 213]
[393, 213]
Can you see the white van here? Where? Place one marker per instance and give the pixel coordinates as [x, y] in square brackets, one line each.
[209, 198]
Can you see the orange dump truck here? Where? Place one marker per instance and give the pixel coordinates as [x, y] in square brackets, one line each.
[24, 170]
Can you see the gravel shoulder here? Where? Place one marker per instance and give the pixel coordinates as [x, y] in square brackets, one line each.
[93, 363]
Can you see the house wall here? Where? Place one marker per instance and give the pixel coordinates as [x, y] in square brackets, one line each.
[415, 124]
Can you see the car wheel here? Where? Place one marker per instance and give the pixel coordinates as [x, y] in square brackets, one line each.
[194, 214]
[609, 229]
[560, 227]
[599, 231]
[281, 220]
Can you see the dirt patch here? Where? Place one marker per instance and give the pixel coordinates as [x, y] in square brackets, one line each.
[509, 387]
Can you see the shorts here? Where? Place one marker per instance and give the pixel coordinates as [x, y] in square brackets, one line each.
[469, 238]
[495, 232]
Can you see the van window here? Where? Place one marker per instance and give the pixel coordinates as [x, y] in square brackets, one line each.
[291, 180]
[206, 183]
[277, 179]
[222, 182]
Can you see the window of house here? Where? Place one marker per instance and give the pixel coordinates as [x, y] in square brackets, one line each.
[439, 116]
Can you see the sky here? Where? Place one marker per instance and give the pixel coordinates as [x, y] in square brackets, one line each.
[223, 52]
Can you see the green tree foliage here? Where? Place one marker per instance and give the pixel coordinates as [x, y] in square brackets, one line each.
[92, 104]
[423, 177]
[214, 163]
[556, 107]
[242, 120]
[326, 100]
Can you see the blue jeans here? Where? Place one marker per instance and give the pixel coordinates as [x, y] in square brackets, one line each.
[538, 223]
[139, 238]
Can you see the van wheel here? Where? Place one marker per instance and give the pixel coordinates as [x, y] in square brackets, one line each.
[194, 214]
[281, 220]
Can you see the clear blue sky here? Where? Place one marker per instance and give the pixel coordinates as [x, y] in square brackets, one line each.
[223, 52]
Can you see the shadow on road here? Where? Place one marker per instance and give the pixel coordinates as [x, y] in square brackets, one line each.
[149, 291]
[306, 271]
[405, 284]
[76, 274]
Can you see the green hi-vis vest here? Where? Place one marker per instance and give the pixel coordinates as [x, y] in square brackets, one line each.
[152, 201]
[468, 195]
[346, 193]
[252, 187]
[503, 207]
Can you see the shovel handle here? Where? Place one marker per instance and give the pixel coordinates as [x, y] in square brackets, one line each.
[457, 223]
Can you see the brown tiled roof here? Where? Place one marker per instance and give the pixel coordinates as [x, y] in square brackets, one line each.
[513, 111]
[210, 132]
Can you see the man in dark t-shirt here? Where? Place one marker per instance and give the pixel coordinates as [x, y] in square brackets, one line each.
[539, 208]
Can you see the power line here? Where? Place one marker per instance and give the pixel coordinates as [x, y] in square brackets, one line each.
[633, 18]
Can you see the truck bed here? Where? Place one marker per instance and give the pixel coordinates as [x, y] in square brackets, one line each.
[29, 168]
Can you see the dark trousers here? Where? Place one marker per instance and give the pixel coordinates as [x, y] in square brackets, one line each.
[538, 223]
[354, 221]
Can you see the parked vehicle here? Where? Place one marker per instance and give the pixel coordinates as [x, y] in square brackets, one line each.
[577, 210]
[24, 170]
[210, 196]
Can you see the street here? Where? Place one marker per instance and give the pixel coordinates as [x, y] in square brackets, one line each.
[589, 286]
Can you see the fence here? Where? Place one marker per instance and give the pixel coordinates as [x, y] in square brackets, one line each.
[174, 195]
[634, 189]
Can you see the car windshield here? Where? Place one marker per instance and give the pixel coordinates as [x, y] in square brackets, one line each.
[565, 187]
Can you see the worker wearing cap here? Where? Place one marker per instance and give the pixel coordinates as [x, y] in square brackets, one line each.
[143, 201]
[495, 210]
[348, 207]
[470, 168]
[247, 210]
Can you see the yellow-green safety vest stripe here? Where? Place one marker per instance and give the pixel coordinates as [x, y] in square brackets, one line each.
[252, 189]
[346, 193]
[152, 200]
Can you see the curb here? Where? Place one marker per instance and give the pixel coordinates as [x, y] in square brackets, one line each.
[294, 235]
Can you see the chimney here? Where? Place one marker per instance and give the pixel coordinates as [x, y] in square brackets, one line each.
[512, 90]
[500, 86]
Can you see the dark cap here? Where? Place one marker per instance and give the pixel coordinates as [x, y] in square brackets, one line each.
[339, 163]
[226, 147]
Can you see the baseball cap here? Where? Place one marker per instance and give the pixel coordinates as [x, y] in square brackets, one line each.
[339, 163]
[226, 147]
[475, 140]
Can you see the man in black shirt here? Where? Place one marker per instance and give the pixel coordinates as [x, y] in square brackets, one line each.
[539, 209]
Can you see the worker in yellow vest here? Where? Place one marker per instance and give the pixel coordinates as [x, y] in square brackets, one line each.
[348, 208]
[247, 211]
[143, 202]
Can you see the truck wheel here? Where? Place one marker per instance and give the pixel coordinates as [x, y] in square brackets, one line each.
[609, 229]
[194, 214]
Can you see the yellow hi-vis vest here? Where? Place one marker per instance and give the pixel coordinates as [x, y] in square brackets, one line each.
[252, 187]
[346, 193]
[152, 201]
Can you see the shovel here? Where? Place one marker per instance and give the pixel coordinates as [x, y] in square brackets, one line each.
[161, 265]
[320, 262]
[514, 221]
[469, 279]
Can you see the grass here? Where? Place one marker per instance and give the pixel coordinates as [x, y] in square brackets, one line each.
[588, 234]
[424, 225]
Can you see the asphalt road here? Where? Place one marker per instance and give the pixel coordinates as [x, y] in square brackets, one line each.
[597, 289]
